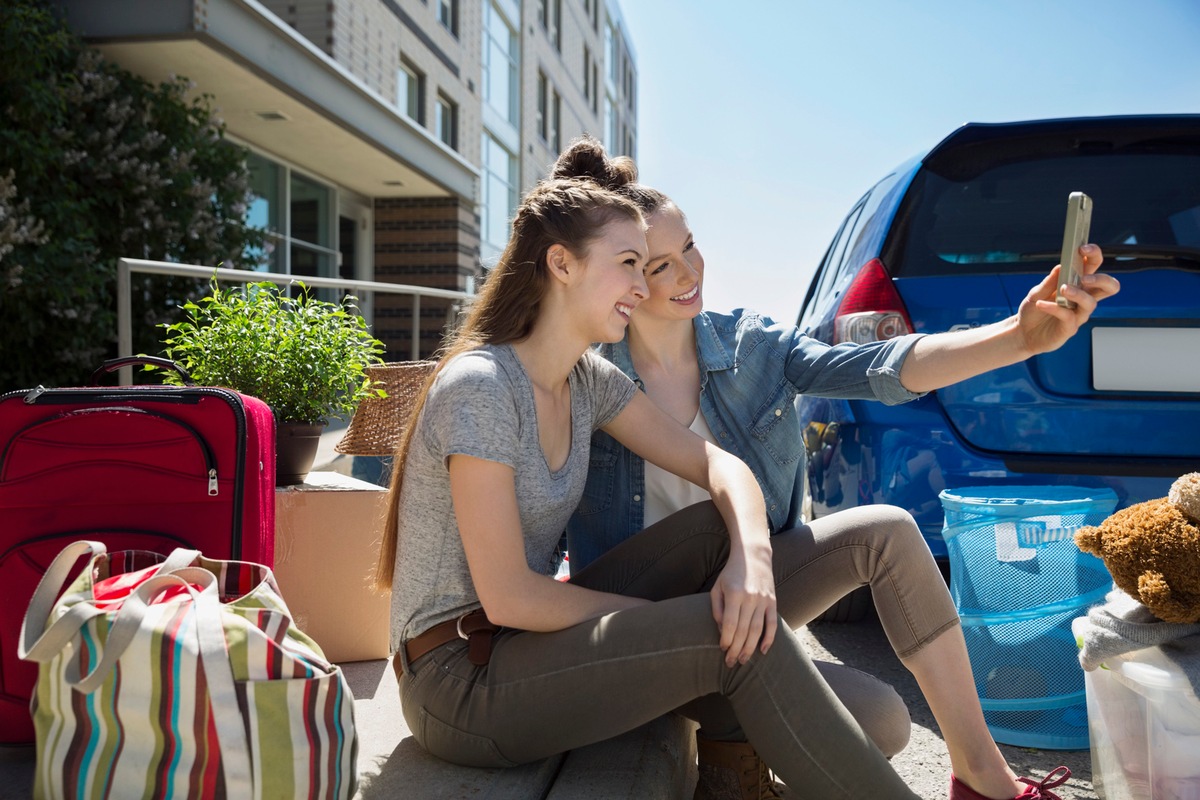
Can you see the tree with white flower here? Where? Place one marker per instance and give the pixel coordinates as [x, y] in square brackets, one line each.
[96, 164]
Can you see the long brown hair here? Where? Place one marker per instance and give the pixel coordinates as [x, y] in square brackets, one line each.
[572, 213]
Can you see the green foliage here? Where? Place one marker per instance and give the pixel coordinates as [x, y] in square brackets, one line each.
[302, 356]
[96, 164]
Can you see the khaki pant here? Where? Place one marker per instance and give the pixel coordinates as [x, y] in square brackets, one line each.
[545, 693]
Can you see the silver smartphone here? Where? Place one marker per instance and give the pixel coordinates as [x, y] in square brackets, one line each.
[1075, 235]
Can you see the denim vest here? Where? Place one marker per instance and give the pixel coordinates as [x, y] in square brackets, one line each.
[751, 370]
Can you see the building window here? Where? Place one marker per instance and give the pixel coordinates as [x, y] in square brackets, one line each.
[594, 11]
[448, 15]
[555, 30]
[312, 247]
[499, 192]
[610, 53]
[265, 210]
[555, 139]
[549, 113]
[587, 73]
[595, 88]
[299, 215]
[543, 95]
[611, 140]
[446, 124]
[628, 83]
[550, 15]
[500, 64]
[410, 91]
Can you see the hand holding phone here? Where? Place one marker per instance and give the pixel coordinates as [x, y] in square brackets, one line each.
[1075, 235]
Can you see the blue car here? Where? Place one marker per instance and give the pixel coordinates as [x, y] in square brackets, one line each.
[956, 238]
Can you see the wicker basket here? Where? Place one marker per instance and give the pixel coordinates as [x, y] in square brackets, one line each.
[377, 423]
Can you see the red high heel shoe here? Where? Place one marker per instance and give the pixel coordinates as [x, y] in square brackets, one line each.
[1036, 791]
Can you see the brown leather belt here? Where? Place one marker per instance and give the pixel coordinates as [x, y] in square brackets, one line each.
[473, 626]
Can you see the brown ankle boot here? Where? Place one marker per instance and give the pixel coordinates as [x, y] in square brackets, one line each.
[732, 771]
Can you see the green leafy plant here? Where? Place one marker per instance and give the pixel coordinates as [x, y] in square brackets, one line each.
[302, 356]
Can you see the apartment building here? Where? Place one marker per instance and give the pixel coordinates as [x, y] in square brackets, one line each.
[389, 140]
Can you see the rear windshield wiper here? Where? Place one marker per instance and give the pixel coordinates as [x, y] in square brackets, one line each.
[1135, 252]
[1153, 252]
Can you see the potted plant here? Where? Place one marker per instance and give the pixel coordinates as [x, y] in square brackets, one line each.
[304, 357]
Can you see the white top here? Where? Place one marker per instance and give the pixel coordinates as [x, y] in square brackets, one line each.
[666, 492]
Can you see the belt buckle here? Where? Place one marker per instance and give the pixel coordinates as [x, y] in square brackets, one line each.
[459, 626]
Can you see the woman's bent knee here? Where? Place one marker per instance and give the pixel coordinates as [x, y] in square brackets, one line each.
[876, 706]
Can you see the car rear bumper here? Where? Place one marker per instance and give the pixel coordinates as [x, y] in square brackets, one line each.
[858, 464]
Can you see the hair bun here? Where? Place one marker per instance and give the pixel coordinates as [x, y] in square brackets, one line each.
[585, 158]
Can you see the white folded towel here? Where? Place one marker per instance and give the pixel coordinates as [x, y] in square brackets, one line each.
[1122, 625]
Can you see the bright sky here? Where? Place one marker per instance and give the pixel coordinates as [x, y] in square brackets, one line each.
[765, 120]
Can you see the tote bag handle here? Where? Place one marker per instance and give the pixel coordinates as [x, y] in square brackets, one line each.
[35, 643]
[39, 643]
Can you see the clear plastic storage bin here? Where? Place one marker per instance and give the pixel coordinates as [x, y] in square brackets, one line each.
[1145, 726]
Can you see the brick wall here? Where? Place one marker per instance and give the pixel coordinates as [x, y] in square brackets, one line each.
[424, 242]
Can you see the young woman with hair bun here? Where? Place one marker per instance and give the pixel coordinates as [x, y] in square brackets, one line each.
[715, 373]
[501, 664]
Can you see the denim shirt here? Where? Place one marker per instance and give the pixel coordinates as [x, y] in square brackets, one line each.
[751, 370]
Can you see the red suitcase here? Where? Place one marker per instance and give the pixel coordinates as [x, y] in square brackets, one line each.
[136, 467]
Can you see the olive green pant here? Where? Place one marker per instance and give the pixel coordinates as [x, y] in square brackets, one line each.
[545, 693]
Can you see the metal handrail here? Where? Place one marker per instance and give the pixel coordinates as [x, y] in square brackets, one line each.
[127, 266]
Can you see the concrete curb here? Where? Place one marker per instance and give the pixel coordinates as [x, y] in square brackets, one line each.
[656, 760]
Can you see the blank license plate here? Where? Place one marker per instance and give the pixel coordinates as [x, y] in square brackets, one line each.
[1146, 359]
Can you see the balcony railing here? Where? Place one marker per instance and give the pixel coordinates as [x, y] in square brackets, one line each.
[127, 266]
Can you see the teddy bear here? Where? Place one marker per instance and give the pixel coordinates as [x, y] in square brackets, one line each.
[1152, 550]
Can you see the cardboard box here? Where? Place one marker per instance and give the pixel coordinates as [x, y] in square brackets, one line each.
[326, 544]
[1145, 728]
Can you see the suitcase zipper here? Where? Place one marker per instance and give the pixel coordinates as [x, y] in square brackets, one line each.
[167, 394]
[210, 461]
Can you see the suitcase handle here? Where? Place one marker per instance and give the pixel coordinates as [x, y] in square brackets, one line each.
[114, 364]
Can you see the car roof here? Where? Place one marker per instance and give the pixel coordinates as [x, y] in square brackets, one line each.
[976, 146]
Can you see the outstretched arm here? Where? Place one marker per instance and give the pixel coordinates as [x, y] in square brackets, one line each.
[744, 596]
[1039, 326]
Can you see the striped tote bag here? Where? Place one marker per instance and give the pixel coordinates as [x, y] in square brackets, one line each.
[182, 677]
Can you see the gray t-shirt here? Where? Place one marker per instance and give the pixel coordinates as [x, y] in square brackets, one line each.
[481, 405]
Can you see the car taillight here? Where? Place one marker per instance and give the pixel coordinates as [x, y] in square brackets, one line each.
[871, 309]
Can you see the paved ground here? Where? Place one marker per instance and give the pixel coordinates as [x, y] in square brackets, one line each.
[924, 764]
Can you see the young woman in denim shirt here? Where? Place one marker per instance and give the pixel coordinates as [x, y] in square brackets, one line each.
[732, 378]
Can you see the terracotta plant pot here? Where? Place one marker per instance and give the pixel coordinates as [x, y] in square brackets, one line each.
[295, 450]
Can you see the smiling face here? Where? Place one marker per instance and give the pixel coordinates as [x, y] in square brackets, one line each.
[674, 270]
[610, 282]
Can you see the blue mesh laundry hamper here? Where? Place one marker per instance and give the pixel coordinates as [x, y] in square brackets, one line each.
[1018, 581]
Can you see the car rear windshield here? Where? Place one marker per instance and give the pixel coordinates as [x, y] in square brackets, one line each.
[1009, 217]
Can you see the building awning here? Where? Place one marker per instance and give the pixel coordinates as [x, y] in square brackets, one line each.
[277, 92]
